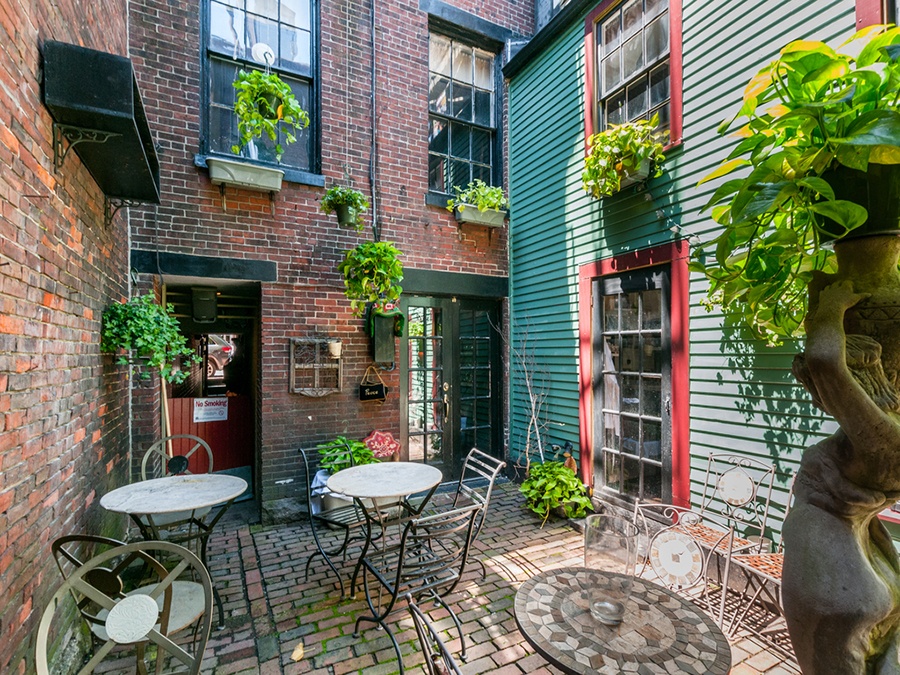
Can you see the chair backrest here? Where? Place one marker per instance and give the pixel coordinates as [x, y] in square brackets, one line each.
[438, 659]
[174, 455]
[738, 489]
[131, 594]
[476, 483]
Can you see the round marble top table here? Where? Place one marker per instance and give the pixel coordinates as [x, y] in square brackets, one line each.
[661, 633]
[188, 492]
[384, 479]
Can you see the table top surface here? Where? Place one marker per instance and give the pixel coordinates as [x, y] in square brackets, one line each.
[172, 494]
[385, 479]
[661, 633]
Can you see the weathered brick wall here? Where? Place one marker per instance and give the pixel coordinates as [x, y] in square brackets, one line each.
[306, 244]
[63, 425]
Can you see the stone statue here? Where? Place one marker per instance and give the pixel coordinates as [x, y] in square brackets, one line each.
[841, 580]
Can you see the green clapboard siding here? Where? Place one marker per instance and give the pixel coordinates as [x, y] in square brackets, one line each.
[743, 397]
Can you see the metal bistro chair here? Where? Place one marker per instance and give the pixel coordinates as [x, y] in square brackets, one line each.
[428, 562]
[438, 659]
[475, 486]
[132, 594]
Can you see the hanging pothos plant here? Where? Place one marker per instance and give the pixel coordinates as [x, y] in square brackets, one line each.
[265, 104]
[372, 273]
[814, 123]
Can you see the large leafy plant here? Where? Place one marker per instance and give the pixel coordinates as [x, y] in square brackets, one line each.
[618, 152]
[478, 194]
[551, 485]
[807, 118]
[372, 273]
[265, 104]
[334, 456]
[147, 334]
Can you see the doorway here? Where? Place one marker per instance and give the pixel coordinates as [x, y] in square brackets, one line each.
[451, 380]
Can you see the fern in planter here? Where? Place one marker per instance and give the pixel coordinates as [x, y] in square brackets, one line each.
[623, 151]
[551, 485]
[265, 104]
[372, 273]
[347, 203]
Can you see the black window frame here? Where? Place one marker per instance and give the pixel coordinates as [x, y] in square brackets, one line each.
[294, 174]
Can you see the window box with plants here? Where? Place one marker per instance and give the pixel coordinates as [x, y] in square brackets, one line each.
[264, 105]
[623, 155]
[479, 204]
[347, 204]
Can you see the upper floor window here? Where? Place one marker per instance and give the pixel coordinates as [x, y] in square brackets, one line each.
[245, 34]
[461, 120]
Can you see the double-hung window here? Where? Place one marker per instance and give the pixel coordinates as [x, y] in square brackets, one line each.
[256, 34]
[635, 56]
[462, 117]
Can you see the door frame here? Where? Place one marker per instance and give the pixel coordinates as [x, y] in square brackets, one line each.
[676, 255]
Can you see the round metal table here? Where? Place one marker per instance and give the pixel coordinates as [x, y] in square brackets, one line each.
[385, 480]
[662, 632]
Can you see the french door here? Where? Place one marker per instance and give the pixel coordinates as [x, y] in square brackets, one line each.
[451, 380]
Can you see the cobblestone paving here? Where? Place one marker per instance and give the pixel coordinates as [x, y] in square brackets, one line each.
[278, 623]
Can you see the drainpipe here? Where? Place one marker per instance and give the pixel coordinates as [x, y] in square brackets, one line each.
[373, 154]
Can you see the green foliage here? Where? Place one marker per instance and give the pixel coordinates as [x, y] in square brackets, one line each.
[808, 112]
[263, 104]
[372, 273]
[334, 457]
[149, 334]
[480, 194]
[338, 195]
[553, 484]
[619, 152]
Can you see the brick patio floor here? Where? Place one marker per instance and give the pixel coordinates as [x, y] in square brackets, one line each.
[278, 623]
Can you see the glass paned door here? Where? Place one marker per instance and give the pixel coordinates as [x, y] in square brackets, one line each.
[452, 380]
[632, 390]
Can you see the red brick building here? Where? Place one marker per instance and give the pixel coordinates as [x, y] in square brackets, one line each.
[404, 103]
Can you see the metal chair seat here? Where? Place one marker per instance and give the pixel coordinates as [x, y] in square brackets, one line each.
[715, 538]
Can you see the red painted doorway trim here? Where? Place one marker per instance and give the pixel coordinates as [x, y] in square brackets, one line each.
[676, 254]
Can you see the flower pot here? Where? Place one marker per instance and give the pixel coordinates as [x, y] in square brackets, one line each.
[268, 106]
[346, 215]
[244, 175]
[878, 190]
[639, 175]
[335, 347]
[469, 213]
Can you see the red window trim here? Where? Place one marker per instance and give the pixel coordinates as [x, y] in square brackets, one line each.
[870, 12]
[676, 254]
[675, 71]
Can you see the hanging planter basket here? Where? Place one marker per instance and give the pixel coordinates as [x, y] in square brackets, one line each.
[346, 215]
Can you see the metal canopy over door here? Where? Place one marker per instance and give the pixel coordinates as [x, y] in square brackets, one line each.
[451, 380]
[632, 384]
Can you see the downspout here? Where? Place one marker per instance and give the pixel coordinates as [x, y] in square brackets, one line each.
[373, 153]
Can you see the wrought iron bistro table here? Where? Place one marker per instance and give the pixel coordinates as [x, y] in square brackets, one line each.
[158, 502]
[661, 633]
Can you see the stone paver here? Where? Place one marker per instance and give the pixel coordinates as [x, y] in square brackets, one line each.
[279, 623]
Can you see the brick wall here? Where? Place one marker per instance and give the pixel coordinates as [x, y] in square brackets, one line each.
[63, 425]
[306, 244]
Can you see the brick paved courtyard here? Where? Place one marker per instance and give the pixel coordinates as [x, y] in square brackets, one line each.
[278, 623]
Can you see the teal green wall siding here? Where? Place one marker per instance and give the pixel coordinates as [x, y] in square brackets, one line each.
[743, 397]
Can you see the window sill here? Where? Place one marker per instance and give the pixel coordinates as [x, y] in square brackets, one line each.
[290, 175]
[439, 199]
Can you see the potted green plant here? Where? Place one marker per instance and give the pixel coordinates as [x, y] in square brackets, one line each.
[264, 105]
[479, 203]
[334, 454]
[552, 485]
[146, 335]
[622, 155]
[347, 203]
[819, 149]
[372, 274]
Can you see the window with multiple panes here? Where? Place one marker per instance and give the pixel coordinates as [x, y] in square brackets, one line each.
[632, 65]
[461, 119]
[245, 34]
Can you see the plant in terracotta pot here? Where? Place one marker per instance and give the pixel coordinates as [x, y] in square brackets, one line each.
[348, 204]
[479, 203]
[372, 274]
[264, 105]
[623, 154]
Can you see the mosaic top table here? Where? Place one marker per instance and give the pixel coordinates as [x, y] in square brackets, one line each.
[661, 633]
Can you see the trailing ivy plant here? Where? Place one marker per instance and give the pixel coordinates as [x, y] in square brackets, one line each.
[479, 194]
[808, 120]
[334, 454]
[338, 195]
[264, 104]
[372, 273]
[553, 484]
[148, 335]
[619, 151]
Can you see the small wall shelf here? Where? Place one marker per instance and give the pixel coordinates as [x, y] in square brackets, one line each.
[314, 371]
